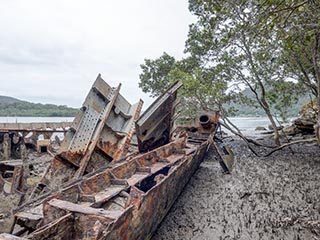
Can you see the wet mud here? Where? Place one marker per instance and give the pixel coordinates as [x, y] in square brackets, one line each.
[264, 198]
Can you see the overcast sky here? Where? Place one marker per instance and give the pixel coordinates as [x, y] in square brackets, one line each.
[52, 51]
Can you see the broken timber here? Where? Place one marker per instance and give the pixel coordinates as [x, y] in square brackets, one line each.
[95, 189]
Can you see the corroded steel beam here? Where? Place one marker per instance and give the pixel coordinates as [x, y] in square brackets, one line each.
[27, 130]
[12, 145]
[154, 126]
[35, 125]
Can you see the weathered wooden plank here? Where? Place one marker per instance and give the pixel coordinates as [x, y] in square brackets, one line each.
[108, 193]
[30, 218]
[72, 207]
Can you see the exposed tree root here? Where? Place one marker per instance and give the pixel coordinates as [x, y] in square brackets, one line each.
[291, 143]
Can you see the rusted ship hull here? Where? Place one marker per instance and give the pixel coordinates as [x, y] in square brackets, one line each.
[148, 212]
[120, 196]
[144, 205]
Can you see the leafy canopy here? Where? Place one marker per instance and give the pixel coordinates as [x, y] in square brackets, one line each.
[253, 44]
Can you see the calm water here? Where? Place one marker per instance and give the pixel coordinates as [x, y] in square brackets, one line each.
[246, 124]
[34, 119]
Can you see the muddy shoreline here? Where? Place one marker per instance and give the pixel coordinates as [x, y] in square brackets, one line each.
[275, 197]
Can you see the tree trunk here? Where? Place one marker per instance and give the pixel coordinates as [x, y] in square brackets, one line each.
[262, 99]
[317, 72]
[317, 126]
[264, 104]
[274, 126]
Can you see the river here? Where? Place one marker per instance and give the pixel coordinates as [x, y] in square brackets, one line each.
[34, 119]
[247, 125]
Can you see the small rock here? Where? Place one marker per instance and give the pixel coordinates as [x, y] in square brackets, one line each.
[270, 127]
[289, 130]
[259, 128]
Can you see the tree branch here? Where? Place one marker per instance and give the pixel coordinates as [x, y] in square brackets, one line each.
[290, 8]
[289, 144]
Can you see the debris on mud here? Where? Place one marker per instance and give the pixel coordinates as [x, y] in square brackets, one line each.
[264, 198]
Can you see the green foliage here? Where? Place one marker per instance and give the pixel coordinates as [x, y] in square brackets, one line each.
[199, 93]
[250, 108]
[154, 77]
[28, 109]
[296, 25]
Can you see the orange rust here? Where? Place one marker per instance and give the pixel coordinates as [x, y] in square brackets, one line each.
[111, 149]
[72, 157]
[216, 117]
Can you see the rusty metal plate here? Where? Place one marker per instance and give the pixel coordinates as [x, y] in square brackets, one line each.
[154, 126]
[83, 135]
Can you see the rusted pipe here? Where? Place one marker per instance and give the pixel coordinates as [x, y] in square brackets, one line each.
[205, 121]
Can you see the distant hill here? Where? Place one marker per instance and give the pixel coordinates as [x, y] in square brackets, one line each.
[252, 111]
[5, 99]
[12, 107]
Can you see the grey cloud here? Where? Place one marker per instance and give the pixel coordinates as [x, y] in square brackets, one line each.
[52, 51]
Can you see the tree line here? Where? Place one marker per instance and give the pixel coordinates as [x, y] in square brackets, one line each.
[27, 109]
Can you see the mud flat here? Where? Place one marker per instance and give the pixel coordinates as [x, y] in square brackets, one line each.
[264, 198]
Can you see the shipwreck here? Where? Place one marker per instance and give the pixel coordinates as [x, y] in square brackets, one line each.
[116, 175]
